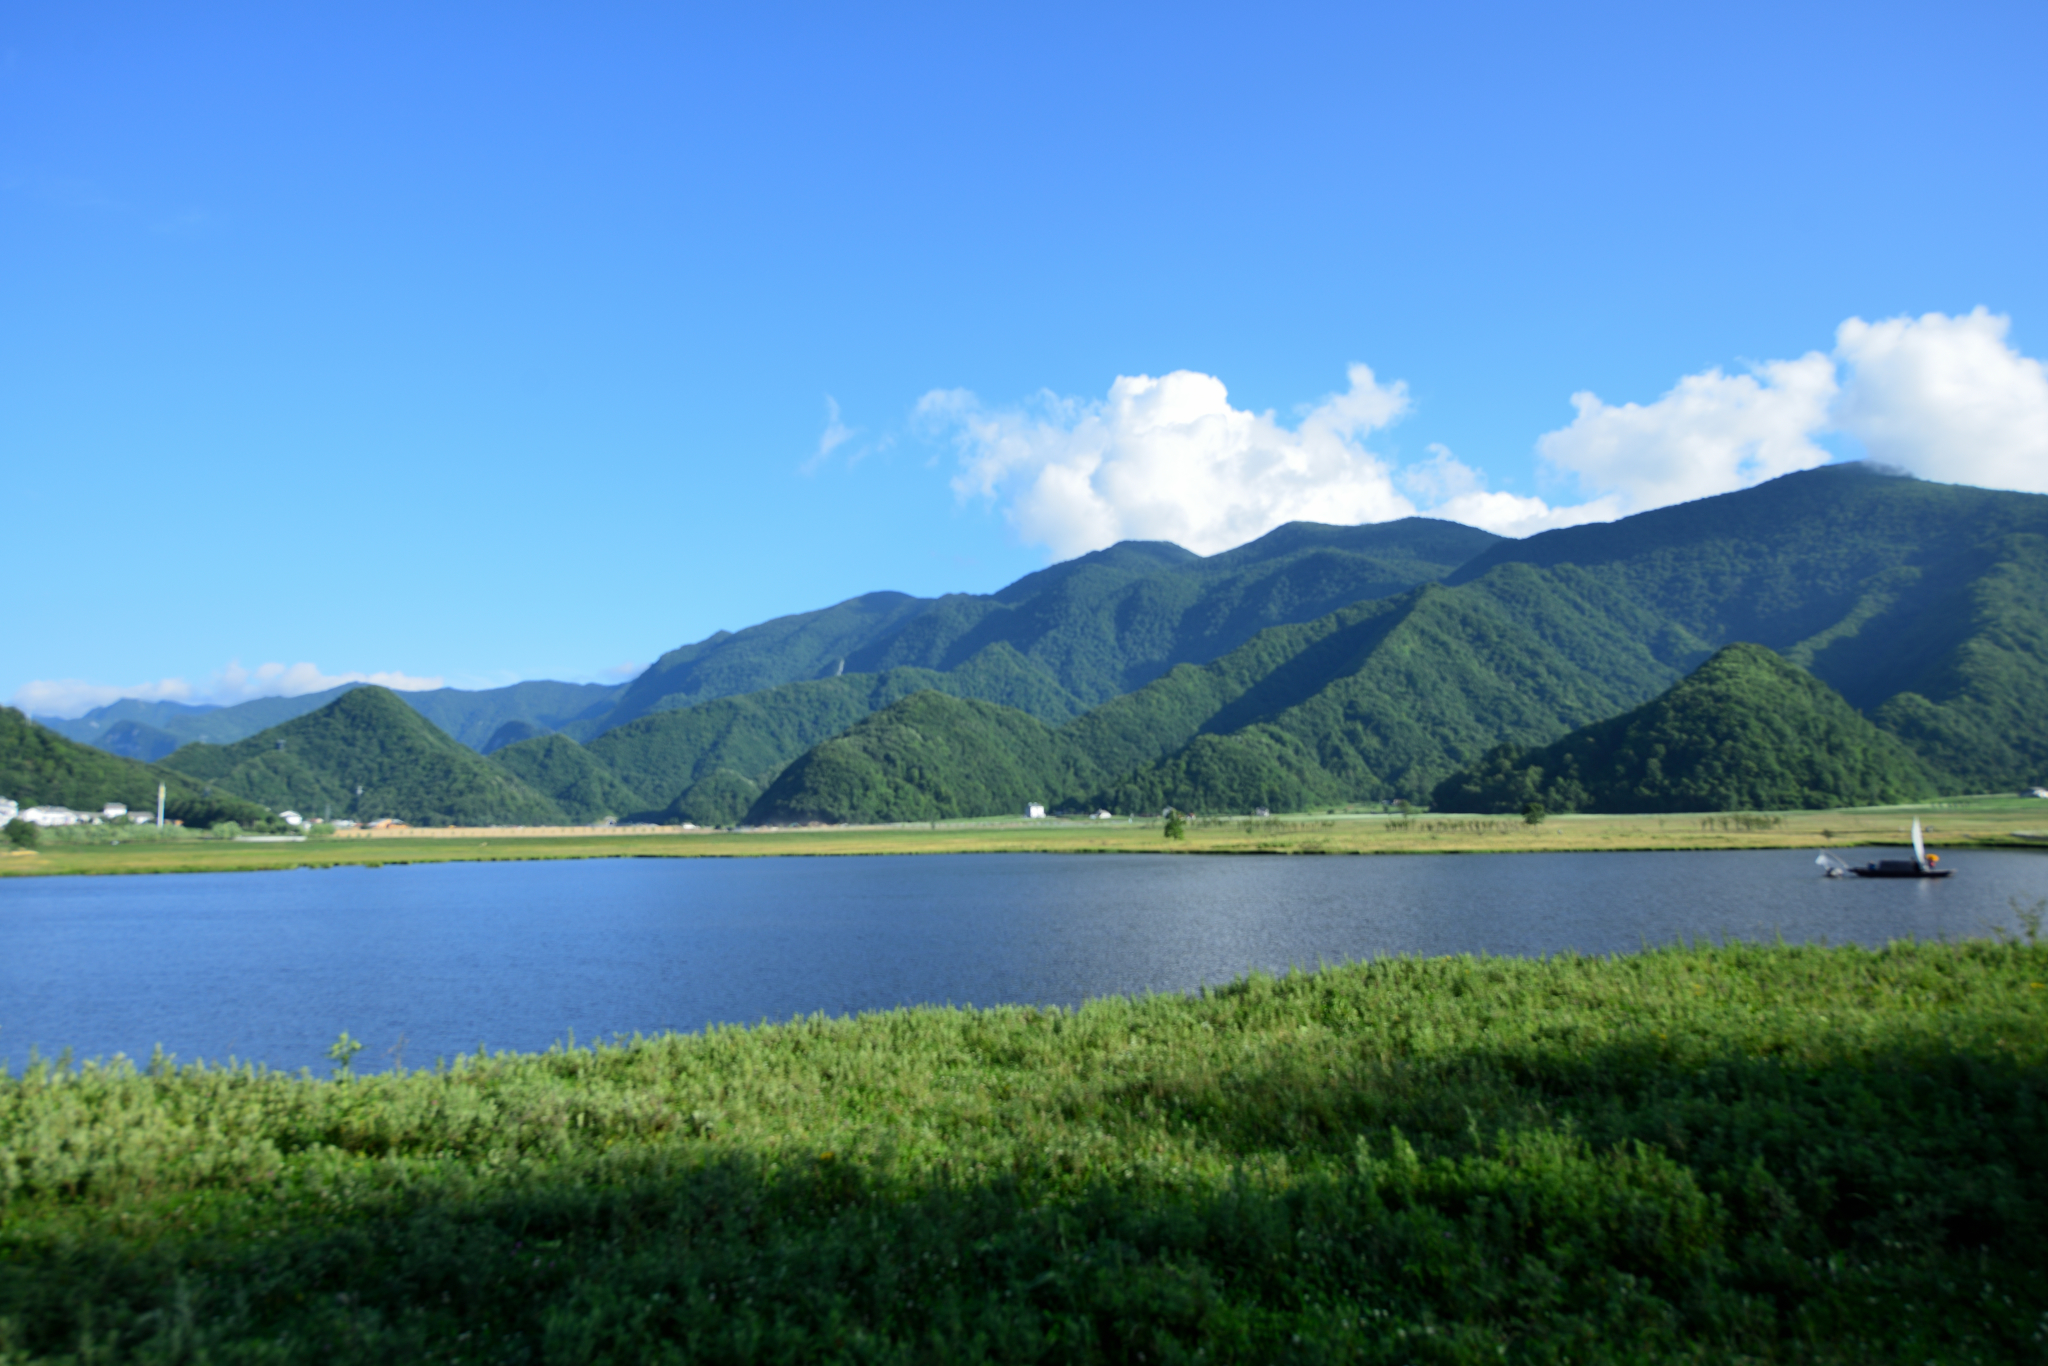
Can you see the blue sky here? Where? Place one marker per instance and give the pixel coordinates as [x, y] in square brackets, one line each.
[507, 341]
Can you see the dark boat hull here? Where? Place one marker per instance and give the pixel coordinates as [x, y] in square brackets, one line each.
[1879, 870]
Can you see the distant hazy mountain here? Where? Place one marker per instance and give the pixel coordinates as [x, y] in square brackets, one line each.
[470, 716]
[134, 740]
[1747, 731]
[363, 756]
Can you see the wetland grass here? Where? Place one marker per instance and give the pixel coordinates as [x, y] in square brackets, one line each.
[1708, 1153]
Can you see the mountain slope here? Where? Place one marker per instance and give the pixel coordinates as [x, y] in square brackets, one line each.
[470, 716]
[570, 776]
[39, 767]
[708, 763]
[1870, 575]
[1924, 605]
[1087, 629]
[368, 738]
[927, 757]
[1747, 731]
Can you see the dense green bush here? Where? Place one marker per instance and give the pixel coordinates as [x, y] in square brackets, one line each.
[22, 834]
[1742, 1153]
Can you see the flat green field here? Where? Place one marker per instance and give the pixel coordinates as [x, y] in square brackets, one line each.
[1959, 823]
[1711, 1154]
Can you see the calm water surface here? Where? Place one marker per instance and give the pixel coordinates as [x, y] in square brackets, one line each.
[437, 959]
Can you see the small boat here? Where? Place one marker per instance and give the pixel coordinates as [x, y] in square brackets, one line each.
[1920, 865]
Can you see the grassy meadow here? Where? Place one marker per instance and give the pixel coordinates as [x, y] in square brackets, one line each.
[1956, 823]
[1696, 1154]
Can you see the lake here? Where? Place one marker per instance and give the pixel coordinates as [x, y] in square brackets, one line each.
[428, 961]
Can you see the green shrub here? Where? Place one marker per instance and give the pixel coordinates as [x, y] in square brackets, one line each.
[1716, 1154]
[22, 834]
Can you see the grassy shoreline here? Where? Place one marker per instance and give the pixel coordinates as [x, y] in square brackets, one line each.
[1959, 823]
[1733, 1153]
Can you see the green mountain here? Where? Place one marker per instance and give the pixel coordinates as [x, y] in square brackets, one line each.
[1747, 731]
[1070, 636]
[364, 756]
[472, 717]
[927, 757]
[1926, 604]
[39, 767]
[575, 780]
[708, 763]
[511, 733]
[138, 741]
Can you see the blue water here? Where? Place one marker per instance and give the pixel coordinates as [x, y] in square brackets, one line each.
[433, 960]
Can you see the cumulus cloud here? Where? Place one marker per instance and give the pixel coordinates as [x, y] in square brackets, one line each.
[1946, 398]
[1712, 433]
[1170, 459]
[1447, 487]
[67, 697]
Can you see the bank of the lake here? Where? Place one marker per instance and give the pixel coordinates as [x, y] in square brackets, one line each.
[1956, 823]
[1745, 1152]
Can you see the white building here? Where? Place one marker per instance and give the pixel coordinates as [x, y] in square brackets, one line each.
[113, 811]
[291, 818]
[1035, 812]
[7, 809]
[2039, 792]
[48, 816]
[1102, 816]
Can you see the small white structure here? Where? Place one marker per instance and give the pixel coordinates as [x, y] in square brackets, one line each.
[49, 816]
[113, 811]
[1262, 813]
[1035, 811]
[139, 818]
[1102, 816]
[2039, 792]
[343, 825]
[291, 818]
[7, 809]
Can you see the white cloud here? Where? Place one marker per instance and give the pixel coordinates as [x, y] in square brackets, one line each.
[1946, 398]
[1170, 459]
[1712, 433]
[1453, 490]
[835, 435]
[68, 697]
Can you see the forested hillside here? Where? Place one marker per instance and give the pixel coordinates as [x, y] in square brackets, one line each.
[39, 767]
[1748, 731]
[1086, 630]
[1925, 605]
[1316, 665]
[1884, 581]
[367, 755]
[928, 757]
